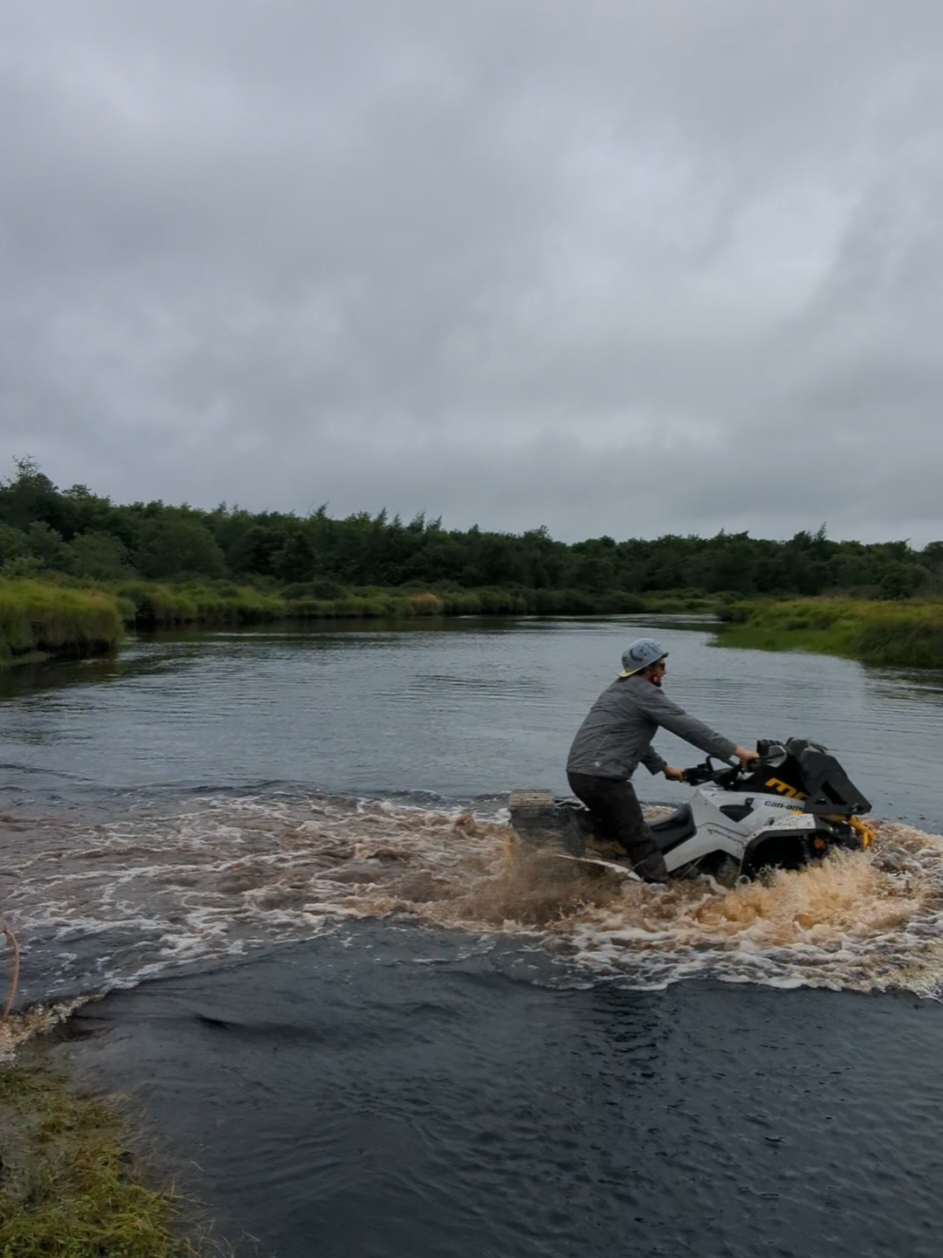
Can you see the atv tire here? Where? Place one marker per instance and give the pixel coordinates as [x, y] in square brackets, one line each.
[785, 851]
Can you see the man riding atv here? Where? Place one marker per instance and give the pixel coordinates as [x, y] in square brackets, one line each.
[616, 737]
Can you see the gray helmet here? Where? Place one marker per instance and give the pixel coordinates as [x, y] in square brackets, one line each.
[640, 654]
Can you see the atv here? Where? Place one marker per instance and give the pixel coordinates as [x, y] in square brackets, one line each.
[793, 805]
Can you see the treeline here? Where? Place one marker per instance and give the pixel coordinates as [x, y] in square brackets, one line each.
[78, 534]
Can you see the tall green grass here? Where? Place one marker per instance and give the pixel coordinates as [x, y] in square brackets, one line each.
[155, 605]
[71, 617]
[372, 601]
[56, 620]
[904, 634]
[166, 605]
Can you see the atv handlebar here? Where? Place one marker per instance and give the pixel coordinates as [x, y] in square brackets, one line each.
[728, 771]
[726, 774]
[706, 772]
[697, 774]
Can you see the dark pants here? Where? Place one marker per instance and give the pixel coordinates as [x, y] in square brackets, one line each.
[617, 814]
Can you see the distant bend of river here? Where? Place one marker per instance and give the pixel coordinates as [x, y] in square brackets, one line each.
[286, 855]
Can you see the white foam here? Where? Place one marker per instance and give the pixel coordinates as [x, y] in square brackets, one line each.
[219, 876]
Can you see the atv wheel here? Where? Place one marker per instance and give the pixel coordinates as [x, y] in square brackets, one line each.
[786, 851]
[724, 869]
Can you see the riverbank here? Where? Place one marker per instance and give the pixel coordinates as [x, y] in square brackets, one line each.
[164, 605]
[889, 634]
[40, 620]
[71, 1183]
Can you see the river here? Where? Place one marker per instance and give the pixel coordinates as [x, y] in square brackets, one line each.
[284, 855]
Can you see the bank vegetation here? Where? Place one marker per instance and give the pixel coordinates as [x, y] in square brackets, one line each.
[76, 569]
[71, 1183]
[893, 634]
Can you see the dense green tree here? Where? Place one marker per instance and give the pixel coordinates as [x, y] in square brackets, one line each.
[14, 545]
[84, 535]
[31, 498]
[174, 545]
[100, 556]
[47, 547]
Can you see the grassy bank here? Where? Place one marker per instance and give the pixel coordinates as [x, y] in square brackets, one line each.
[155, 605]
[487, 601]
[39, 619]
[69, 1185]
[905, 634]
[63, 618]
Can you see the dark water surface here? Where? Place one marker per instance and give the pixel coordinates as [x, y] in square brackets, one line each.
[361, 1063]
[391, 1093]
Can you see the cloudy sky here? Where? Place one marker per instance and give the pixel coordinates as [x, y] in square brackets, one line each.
[625, 267]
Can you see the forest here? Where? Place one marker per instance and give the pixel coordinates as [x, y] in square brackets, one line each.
[76, 536]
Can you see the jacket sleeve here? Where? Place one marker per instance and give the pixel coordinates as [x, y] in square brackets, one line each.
[653, 761]
[669, 716]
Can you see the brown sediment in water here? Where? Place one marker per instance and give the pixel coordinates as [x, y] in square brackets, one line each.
[860, 920]
[866, 920]
[218, 876]
[529, 888]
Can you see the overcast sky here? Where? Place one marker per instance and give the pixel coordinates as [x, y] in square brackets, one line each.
[631, 267]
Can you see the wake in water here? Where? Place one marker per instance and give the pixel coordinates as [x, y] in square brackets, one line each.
[215, 877]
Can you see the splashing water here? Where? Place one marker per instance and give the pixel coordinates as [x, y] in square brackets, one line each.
[211, 879]
[34, 1022]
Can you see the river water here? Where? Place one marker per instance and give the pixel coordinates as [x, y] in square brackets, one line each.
[360, 1024]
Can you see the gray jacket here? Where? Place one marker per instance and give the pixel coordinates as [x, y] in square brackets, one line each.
[617, 734]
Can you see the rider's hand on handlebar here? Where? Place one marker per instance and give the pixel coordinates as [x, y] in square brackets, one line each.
[746, 755]
[673, 774]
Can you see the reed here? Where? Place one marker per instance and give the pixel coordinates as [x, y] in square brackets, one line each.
[40, 618]
[893, 634]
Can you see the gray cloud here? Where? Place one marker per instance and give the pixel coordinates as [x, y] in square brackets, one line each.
[618, 269]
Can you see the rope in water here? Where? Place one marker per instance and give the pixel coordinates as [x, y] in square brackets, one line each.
[16, 973]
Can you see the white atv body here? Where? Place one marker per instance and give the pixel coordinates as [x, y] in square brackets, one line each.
[793, 806]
